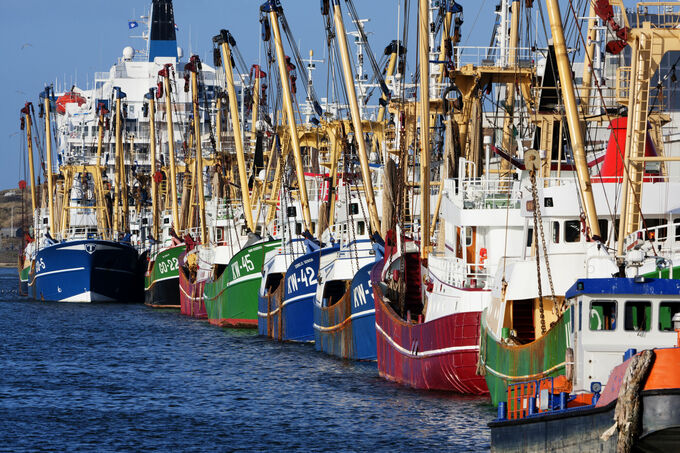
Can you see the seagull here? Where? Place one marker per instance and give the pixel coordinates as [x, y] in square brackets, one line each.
[28, 44]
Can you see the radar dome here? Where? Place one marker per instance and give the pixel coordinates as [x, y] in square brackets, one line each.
[128, 53]
[180, 53]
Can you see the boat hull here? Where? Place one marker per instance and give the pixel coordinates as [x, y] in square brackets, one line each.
[347, 328]
[191, 296]
[440, 354]
[288, 314]
[581, 430]
[87, 271]
[161, 280]
[505, 364]
[232, 299]
[24, 277]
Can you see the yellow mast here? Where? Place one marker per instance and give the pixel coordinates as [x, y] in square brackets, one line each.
[118, 182]
[105, 221]
[125, 217]
[424, 63]
[152, 150]
[225, 39]
[288, 110]
[356, 116]
[573, 120]
[510, 92]
[218, 123]
[256, 101]
[29, 140]
[391, 66]
[446, 30]
[588, 60]
[48, 146]
[165, 73]
[198, 177]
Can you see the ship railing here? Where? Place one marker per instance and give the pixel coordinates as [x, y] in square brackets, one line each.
[458, 273]
[525, 57]
[548, 394]
[664, 237]
[485, 193]
[658, 14]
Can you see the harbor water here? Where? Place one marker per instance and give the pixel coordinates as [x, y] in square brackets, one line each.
[126, 377]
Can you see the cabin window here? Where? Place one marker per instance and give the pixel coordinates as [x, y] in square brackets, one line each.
[603, 315]
[166, 221]
[638, 316]
[298, 228]
[530, 237]
[604, 229]
[556, 232]
[291, 211]
[219, 234]
[361, 228]
[572, 231]
[580, 314]
[666, 312]
[677, 228]
[354, 208]
[468, 237]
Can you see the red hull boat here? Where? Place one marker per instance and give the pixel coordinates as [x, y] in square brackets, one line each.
[440, 354]
[190, 294]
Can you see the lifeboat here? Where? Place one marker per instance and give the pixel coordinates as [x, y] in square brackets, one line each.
[68, 98]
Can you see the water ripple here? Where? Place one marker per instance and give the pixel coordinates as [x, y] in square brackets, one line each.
[124, 377]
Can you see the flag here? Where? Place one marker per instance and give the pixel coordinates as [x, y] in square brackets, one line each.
[132, 24]
[176, 27]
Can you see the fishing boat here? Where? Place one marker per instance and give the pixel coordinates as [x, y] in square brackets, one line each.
[606, 319]
[80, 259]
[524, 329]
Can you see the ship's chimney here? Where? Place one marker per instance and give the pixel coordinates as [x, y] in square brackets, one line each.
[162, 40]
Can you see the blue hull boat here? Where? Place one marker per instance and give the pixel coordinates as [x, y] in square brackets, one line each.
[87, 270]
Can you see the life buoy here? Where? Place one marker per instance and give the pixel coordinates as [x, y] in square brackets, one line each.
[482, 255]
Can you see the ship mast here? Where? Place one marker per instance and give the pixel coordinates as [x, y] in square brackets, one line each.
[152, 156]
[48, 146]
[424, 63]
[165, 73]
[194, 66]
[510, 87]
[356, 116]
[272, 7]
[105, 221]
[588, 61]
[573, 121]
[225, 40]
[29, 140]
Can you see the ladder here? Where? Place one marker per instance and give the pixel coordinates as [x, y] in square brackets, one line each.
[637, 116]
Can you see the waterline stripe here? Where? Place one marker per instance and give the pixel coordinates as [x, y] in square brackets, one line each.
[423, 354]
[59, 271]
[243, 279]
[122, 271]
[361, 314]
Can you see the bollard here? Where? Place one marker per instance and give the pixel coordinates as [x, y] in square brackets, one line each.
[564, 397]
[532, 405]
[502, 410]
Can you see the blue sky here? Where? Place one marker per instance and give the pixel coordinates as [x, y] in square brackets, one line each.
[71, 39]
